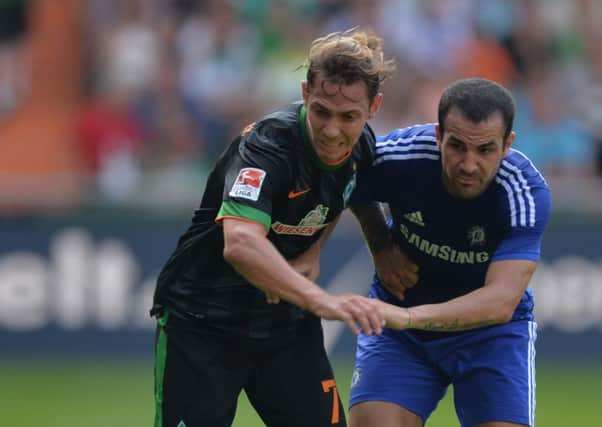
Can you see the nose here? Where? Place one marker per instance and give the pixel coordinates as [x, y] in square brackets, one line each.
[469, 163]
[331, 130]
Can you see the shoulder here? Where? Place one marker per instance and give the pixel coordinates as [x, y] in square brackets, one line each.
[524, 190]
[417, 142]
[363, 151]
[519, 164]
[517, 170]
[276, 132]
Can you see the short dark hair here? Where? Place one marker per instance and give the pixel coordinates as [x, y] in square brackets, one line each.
[347, 57]
[478, 99]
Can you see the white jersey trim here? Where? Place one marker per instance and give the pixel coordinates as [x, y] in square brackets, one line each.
[522, 190]
[388, 157]
[510, 195]
[408, 141]
[405, 148]
[531, 368]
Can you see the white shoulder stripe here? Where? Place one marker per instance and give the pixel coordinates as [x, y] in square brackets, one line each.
[517, 190]
[526, 188]
[400, 149]
[409, 140]
[408, 156]
[524, 156]
[508, 189]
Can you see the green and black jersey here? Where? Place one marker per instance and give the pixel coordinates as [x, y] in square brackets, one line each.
[269, 174]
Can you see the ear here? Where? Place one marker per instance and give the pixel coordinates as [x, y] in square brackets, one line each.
[508, 142]
[438, 135]
[375, 106]
[304, 91]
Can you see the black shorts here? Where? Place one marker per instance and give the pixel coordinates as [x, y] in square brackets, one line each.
[199, 375]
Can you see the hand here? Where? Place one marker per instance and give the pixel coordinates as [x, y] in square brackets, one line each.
[360, 314]
[307, 263]
[272, 298]
[395, 270]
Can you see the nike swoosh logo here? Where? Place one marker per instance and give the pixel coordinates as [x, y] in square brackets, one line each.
[295, 194]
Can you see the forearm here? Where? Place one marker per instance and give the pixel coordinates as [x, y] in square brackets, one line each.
[249, 254]
[482, 307]
[471, 311]
[373, 221]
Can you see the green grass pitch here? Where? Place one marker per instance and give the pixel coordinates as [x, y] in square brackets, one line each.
[119, 393]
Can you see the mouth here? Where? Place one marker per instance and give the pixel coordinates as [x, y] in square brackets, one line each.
[467, 181]
[332, 145]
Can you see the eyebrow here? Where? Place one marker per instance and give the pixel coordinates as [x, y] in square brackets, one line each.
[484, 145]
[318, 104]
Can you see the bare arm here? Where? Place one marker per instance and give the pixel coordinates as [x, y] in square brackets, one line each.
[492, 304]
[307, 263]
[253, 256]
[393, 267]
[374, 226]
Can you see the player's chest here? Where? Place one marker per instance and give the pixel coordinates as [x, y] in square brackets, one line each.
[310, 204]
[428, 224]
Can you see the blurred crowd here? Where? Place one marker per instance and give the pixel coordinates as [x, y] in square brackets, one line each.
[170, 82]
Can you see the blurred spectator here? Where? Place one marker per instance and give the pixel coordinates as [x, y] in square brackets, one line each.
[547, 132]
[130, 50]
[586, 75]
[172, 81]
[427, 33]
[483, 56]
[219, 55]
[111, 140]
[13, 49]
[173, 137]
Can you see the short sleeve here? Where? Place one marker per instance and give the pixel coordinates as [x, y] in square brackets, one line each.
[525, 236]
[257, 174]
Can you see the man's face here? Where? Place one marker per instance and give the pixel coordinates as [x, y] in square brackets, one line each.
[471, 153]
[336, 115]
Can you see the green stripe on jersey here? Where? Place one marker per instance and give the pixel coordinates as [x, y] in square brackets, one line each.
[229, 208]
[160, 358]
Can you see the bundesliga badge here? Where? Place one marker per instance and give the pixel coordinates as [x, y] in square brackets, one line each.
[248, 184]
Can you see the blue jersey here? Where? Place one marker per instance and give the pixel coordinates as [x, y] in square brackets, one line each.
[453, 240]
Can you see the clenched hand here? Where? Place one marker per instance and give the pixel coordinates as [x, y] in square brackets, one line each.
[395, 270]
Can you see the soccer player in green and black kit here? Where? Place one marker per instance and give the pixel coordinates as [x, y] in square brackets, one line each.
[270, 202]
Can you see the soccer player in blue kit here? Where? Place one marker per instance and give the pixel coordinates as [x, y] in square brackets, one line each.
[467, 217]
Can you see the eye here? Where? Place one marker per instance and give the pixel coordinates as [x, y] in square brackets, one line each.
[456, 145]
[321, 112]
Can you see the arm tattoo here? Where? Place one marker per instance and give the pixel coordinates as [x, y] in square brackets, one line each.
[454, 325]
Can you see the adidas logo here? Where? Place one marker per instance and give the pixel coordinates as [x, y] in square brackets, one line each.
[415, 217]
[181, 424]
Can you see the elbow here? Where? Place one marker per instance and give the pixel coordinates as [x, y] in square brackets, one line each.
[504, 316]
[236, 247]
[504, 313]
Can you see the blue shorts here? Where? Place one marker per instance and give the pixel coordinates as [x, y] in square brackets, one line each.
[492, 370]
